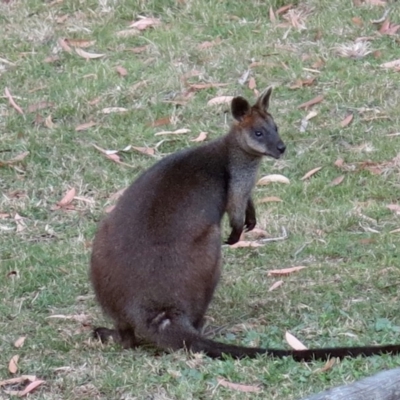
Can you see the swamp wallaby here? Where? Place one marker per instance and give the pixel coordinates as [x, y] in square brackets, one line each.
[156, 257]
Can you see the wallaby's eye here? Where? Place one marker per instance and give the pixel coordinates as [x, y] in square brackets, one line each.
[258, 133]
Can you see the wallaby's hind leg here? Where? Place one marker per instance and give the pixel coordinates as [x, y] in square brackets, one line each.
[124, 336]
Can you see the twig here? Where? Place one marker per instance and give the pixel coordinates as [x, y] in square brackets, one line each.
[276, 239]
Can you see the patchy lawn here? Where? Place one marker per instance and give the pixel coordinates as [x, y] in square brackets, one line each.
[79, 79]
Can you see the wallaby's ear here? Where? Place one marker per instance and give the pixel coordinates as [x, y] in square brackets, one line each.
[240, 107]
[263, 100]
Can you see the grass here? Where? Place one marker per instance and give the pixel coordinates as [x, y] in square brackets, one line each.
[347, 295]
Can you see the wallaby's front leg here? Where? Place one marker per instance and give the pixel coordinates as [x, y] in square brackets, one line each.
[250, 219]
[237, 210]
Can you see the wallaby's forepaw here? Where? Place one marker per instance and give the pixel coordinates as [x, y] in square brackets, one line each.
[250, 224]
[103, 334]
[234, 237]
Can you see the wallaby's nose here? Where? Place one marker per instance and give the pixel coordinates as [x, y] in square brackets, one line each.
[281, 147]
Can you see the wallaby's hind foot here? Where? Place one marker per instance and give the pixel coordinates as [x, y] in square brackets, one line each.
[125, 337]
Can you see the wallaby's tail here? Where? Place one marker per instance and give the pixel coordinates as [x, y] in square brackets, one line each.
[176, 332]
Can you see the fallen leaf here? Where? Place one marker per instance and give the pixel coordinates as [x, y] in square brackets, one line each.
[238, 386]
[19, 342]
[49, 122]
[346, 121]
[20, 222]
[242, 80]
[207, 44]
[272, 17]
[39, 106]
[80, 42]
[302, 82]
[245, 243]
[389, 28]
[391, 64]
[128, 33]
[87, 55]
[339, 163]
[357, 21]
[310, 173]
[52, 59]
[275, 286]
[395, 230]
[12, 101]
[202, 136]
[318, 64]
[267, 179]
[311, 115]
[284, 271]
[20, 393]
[145, 150]
[13, 364]
[14, 160]
[4, 215]
[394, 207]
[283, 9]
[293, 342]
[110, 110]
[64, 45]
[270, 199]
[337, 181]
[138, 49]
[177, 132]
[328, 365]
[82, 318]
[376, 2]
[121, 71]
[67, 199]
[85, 126]
[312, 102]
[220, 100]
[252, 83]
[200, 86]
[160, 122]
[19, 379]
[145, 23]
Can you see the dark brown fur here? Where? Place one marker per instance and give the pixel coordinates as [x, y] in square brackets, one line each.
[156, 256]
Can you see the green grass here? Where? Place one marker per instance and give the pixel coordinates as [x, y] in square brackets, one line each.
[347, 295]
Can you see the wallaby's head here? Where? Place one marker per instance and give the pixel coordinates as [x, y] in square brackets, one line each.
[256, 130]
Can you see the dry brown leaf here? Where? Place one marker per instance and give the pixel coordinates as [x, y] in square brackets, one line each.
[67, 199]
[339, 163]
[328, 365]
[20, 222]
[145, 150]
[245, 243]
[267, 179]
[110, 110]
[64, 45]
[302, 82]
[394, 207]
[85, 126]
[52, 59]
[19, 379]
[12, 101]
[284, 271]
[121, 71]
[312, 102]
[391, 64]
[376, 2]
[128, 33]
[220, 100]
[200, 86]
[83, 43]
[202, 136]
[49, 122]
[144, 23]
[208, 44]
[256, 233]
[270, 199]
[238, 386]
[272, 17]
[19, 342]
[87, 55]
[357, 21]
[252, 83]
[4, 215]
[160, 122]
[346, 121]
[82, 318]
[31, 387]
[283, 9]
[395, 230]
[14, 160]
[389, 28]
[177, 132]
[13, 364]
[310, 173]
[39, 106]
[337, 181]
[293, 342]
[275, 286]
[138, 49]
